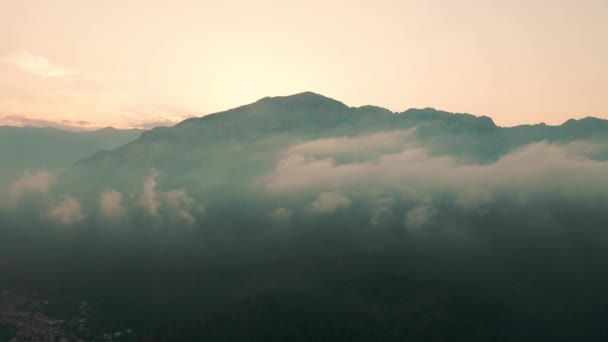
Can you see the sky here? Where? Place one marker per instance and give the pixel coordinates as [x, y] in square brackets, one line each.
[88, 64]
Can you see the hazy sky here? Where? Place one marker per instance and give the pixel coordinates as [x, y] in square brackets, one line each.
[128, 63]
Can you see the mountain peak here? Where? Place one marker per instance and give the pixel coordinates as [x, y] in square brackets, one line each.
[589, 120]
[586, 125]
[306, 98]
[107, 129]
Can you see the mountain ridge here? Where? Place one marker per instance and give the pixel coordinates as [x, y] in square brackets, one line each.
[312, 110]
[53, 149]
[212, 148]
[320, 101]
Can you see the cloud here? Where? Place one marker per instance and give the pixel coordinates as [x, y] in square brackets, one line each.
[36, 65]
[111, 205]
[179, 205]
[37, 186]
[67, 212]
[416, 173]
[330, 201]
[297, 172]
[68, 125]
[113, 99]
[149, 199]
[175, 204]
[419, 217]
[377, 142]
[29, 182]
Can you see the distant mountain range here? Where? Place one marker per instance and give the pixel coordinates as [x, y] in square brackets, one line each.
[229, 148]
[53, 150]
[322, 219]
[225, 152]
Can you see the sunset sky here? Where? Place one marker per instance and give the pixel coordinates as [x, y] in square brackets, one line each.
[74, 63]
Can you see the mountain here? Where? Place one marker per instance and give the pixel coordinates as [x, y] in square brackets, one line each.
[332, 222]
[228, 149]
[53, 150]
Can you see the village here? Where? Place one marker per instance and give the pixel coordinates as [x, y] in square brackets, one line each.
[30, 317]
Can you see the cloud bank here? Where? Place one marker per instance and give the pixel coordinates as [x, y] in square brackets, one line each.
[539, 167]
[33, 191]
[381, 180]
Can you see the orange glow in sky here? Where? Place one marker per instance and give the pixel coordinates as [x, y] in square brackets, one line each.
[142, 63]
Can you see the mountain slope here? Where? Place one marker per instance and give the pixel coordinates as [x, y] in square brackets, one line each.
[228, 150]
[420, 225]
[50, 149]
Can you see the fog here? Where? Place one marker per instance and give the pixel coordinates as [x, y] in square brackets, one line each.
[336, 221]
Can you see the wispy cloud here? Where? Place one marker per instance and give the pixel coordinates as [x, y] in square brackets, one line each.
[36, 65]
[382, 141]
[175, 204]
[28, 183]
[68, 94]
[68, 125]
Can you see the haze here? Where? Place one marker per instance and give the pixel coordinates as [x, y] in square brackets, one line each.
[149, 63]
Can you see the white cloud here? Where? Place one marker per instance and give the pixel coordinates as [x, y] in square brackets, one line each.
[176, 204]
[296, 172]
[108, 99]
[67, 212]
[330, 201]
[29, 182]
[415, 173]
[149, 198]
[377, 142]
[36, 65]
[111, 205]
[179, 205]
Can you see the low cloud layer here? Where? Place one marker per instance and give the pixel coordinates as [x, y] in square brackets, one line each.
[393, 182]
[67, 212]
[180, 206]
[419, 217]
[111, 205]
[175, 204]
[328, 202]
[149, 199]
[34, 191]
[414, 171]
[28, 185]
[372, 143]
[30, 182]
[413, 183]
